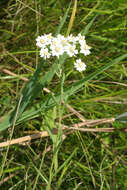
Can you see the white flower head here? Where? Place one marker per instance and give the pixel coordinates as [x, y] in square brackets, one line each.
[57, 50]
[85, 49]
[79, 65]
[72, 39]
[45, 53]
[41, 41]
[62, 40]
[71, 50]
[81, 39]
[49, 38]
[55, 41]
[44, 40]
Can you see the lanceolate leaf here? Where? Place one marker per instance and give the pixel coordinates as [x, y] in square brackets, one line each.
[49, 102]
[29, 91]
[34, 87]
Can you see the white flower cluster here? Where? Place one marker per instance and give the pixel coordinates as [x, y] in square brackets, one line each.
[57, 46]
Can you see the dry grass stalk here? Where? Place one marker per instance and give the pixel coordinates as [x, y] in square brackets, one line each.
[45, 134]
[24, 139]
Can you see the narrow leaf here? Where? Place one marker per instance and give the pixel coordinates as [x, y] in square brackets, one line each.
[86, 30]
[63, 20]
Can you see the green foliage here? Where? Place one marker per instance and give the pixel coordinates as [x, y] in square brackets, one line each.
[81, 161]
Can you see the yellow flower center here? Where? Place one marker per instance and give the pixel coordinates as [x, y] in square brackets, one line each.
[57, 49]
[42, 41]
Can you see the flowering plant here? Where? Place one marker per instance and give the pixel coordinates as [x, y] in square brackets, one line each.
[59, 47]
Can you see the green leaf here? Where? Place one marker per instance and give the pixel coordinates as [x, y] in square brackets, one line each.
[30, 91]
[34, 86]
[63, 20]
[86, 30]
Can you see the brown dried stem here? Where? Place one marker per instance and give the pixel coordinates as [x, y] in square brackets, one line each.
[64, 127]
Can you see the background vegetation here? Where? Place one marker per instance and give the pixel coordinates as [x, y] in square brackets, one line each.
[86, 161]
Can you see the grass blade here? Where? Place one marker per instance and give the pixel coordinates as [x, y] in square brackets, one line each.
[86, 30]
[76, 86]
[63, 20]
[72, 18]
